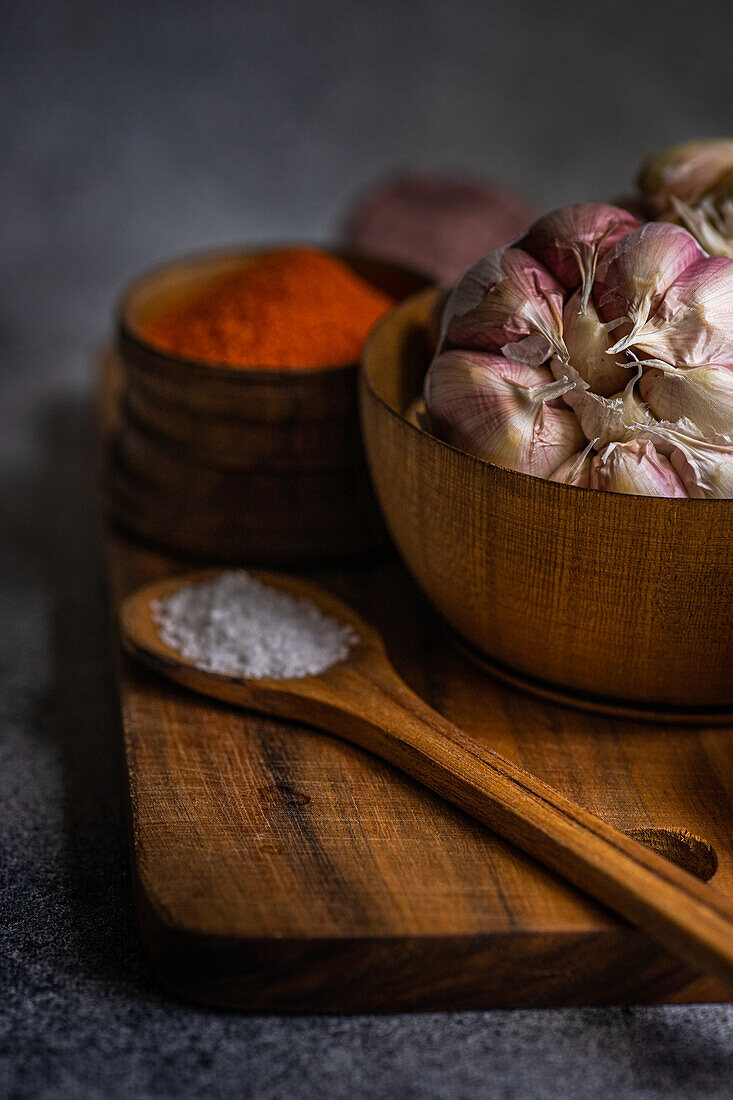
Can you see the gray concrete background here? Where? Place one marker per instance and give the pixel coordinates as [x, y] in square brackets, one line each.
[131, 132]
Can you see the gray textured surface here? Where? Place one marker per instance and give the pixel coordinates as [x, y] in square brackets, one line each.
[129, 133]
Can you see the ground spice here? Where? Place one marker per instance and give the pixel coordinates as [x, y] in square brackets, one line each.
[292, 308]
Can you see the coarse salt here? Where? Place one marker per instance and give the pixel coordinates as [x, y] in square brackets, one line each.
[234, 624]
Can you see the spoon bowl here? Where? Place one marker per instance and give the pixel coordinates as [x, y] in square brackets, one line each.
[281, 698]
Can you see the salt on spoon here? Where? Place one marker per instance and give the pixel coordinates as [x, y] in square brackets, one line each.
[359, 697]
[235, 625]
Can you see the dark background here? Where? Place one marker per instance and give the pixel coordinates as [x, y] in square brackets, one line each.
[134, 131]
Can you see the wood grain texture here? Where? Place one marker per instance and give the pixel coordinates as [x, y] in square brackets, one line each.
[362, 700]
[280, 869]
[617, 597]
[313, 877]
[229, 464]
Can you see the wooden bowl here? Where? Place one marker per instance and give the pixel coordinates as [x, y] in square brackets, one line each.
[251, 465]
[616, 599]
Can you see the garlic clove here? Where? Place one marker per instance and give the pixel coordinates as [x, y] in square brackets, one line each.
[605, 419]
[470, 290]
[503, 299]
[706, 472]
[575, 470]
[694, 321]
[587, 340]
[499, 410]
[688, 171]
[638, 271]
[710, 222]
[462, 390]
[637, 469]
[705, 469]
[702, 396]
[570, 241]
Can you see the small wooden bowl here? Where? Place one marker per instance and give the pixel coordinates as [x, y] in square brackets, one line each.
[623, 600]
[245, 465]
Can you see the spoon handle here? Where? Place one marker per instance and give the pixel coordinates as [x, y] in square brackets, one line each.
[679, 911]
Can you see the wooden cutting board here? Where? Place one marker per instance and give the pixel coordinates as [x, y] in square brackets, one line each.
[278, 869]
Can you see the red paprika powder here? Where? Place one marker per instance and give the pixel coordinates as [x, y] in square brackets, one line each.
[293, 308]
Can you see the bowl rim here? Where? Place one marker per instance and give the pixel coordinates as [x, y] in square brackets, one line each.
[661, 503]
[127, 332]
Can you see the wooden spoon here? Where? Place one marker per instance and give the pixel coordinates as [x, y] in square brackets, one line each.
[363, 700]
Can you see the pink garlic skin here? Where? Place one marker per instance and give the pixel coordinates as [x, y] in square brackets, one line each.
[533, 350]
[693, 324]
[574, 470]
[501, 410]
[688, 475]
[621, 377]
[705, 469]
[635, 275]
[458, 363]
[688, 171]
[570, 241]
[503, 299]
[460, 389]
[436, 224]
[701, 396]
[637, 469]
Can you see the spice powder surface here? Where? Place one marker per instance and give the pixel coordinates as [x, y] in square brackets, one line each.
[287, 309]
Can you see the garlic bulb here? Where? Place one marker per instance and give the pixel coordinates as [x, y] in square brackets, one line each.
[499, 410]
[635, 324]
[587, 340]
[705, 469]
[638, 271]
[689, 172]
[700, 395]
[504, 298]
[694, 322]
[637, 469]
[576, 469]
[692, 184]
[569, 241]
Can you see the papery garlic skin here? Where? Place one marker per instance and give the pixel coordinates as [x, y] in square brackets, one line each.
[641, 352]
[605, 419]
[692, 184]
[702, 396]
[688, 171]
[638, 271]
[503, 299]
[711, 221]
[499, 410]
[694, 321]
[588, 339]
[570, 241]
[532, 350]
[705, 469]
[635, 468]
[575, 470]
